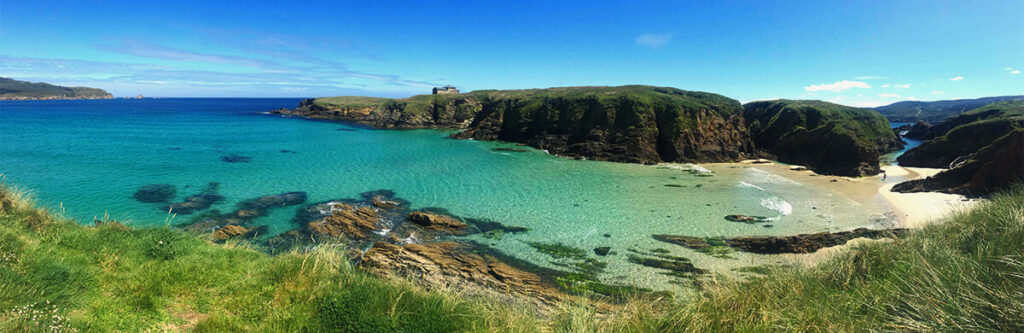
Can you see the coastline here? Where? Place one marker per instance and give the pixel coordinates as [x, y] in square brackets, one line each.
[911, 210]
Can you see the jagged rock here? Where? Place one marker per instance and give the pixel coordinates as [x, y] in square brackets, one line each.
[155, 193]
[602, 251]
[229, 231]
[346, 220]
[455, 264]
[437, 222]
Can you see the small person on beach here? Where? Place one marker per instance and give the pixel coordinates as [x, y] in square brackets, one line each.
[884, 175]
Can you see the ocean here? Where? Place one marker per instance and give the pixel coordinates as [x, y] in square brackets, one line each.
[86, 159]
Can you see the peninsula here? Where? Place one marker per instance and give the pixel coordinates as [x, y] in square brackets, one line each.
[11, 89]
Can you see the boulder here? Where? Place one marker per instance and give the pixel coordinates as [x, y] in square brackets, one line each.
[602, 251]
[155, 193]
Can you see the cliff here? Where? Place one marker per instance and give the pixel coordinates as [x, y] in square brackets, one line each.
[827, 138]
[637, 124]
[11, 89]
[964, 134]
[984, 151]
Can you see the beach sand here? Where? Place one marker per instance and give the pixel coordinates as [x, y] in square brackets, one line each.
[912, 210]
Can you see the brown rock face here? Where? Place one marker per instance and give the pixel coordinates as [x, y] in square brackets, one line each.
[455, 264]
[229, 231]
[438, 222]
[347, 221]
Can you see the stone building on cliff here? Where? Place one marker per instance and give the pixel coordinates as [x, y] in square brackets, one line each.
[449, 89]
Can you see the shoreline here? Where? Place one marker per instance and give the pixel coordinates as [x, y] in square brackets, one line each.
[911, 210]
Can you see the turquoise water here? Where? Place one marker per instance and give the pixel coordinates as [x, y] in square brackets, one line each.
[89, 157]
[909, 144]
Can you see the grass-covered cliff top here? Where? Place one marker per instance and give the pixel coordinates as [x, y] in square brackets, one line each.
[777, 117]
[963, 275]
[15, 88]
[639, 93]
[937, 111]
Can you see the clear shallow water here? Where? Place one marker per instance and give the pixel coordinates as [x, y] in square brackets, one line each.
[91, 156]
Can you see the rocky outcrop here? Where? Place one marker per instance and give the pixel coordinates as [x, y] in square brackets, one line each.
[346, 220]
[229, 231]
[992, 168]
[802, 243]
[457, 265]
[439, 222]
[828, 138]
[637, 124]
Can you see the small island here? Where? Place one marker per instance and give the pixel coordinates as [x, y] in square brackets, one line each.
[11, 89]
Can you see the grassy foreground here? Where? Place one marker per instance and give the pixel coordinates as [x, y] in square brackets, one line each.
[55, 275]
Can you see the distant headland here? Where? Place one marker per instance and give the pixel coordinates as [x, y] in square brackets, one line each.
[11, 89]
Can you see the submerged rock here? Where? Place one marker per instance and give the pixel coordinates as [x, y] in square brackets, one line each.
[676, 266]
[233, 158]
[802, 243]
[194, 203]
[746, 219]
[602, 251]
[155, 193]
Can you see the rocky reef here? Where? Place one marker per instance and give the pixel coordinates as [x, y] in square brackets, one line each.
[981, 148]
[802, 243]
[828, 138]
[637, 124]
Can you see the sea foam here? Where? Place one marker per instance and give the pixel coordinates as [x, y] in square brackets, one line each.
[778, 205]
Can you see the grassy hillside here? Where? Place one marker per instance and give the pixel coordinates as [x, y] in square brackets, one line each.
[15, 88]
[964, 275]
[827, 137]
[937, 111]
[966, 134]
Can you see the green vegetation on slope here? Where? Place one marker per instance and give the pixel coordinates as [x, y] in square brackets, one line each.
[55, 272]
[965, 134]
[937, 111]
[15, 88]
[638, 124]
[828, 138]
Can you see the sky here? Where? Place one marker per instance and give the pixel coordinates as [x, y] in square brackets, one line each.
[858, 53]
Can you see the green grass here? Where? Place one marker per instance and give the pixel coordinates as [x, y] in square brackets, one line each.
[966, 274]
[113, 278]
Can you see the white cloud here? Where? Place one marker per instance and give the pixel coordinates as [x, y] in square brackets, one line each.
[958, 78]
[911, 98]
[653, 40]
[937, 92]
[886, 85]
[888, 95]
[903, 85]
[871, 77]
[837, 86]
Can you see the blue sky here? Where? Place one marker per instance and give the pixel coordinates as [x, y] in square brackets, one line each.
[850, 52]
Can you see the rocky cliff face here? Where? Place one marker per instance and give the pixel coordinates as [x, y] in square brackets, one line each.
[965, 134]
[992, 168]
[638, 124]
[827, 138]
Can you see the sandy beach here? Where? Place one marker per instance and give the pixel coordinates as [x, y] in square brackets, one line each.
[912, 210]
